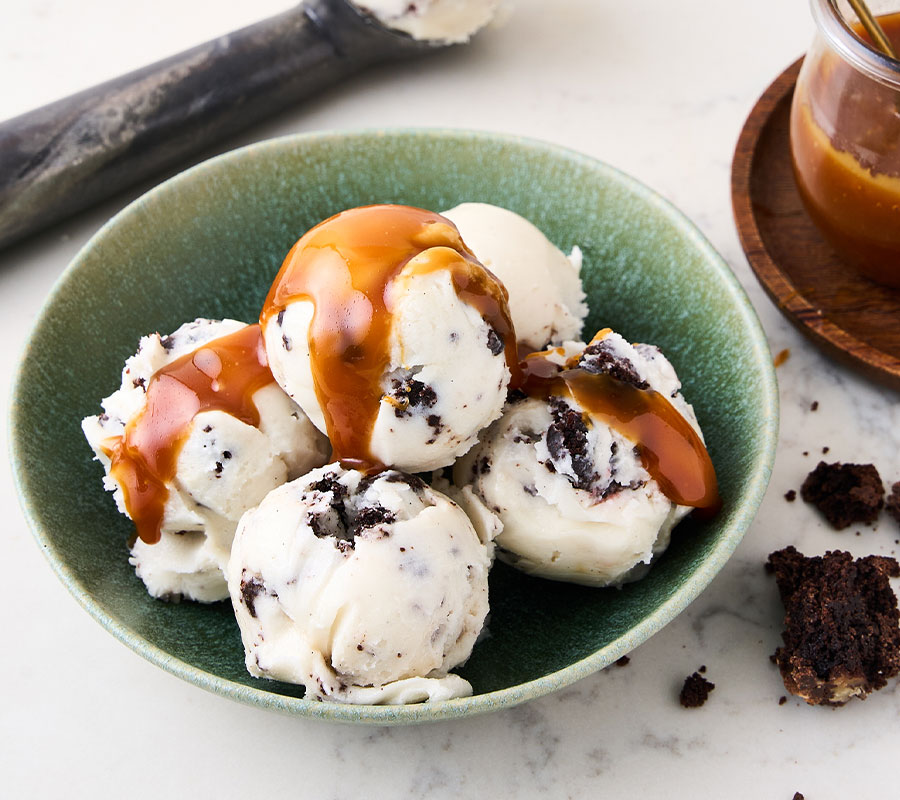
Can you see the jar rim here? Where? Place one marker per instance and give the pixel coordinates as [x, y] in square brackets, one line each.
[851, 48]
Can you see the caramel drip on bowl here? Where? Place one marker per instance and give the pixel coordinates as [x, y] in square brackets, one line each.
[345, 267]
[670, 449]
[221, 375]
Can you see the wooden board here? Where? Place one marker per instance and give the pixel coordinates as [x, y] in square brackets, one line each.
[851, 318]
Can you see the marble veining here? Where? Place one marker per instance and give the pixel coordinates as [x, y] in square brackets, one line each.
[666, 106]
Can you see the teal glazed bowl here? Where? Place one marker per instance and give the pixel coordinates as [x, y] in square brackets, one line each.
[208, 242]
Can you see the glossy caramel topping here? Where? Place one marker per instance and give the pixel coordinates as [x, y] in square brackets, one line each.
[670, 449]
[345, 266]
[222, 375]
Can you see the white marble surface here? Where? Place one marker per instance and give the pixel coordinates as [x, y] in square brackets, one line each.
[658, 89]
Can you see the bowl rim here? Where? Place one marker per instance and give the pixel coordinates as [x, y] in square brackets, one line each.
[751, 494]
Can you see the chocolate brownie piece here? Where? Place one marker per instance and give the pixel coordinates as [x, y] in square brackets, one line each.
[844, 493]
[892, 504]
[842, 626]
[695, 691]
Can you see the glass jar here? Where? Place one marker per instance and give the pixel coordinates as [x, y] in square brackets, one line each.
[845, 141]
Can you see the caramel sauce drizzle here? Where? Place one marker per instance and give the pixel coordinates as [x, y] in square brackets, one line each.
[345, 266]
[670, 449]
[221, 375]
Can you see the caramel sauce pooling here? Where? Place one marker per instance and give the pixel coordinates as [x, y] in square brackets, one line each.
[670, 449]
[345, 266]
[221, 375]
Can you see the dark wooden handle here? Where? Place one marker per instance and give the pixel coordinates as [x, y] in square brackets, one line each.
[68, 155]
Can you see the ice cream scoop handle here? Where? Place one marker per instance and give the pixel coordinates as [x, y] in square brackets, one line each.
[65, 156]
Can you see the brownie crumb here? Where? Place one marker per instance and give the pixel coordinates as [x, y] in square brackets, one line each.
[825, 450]
[342, 520]
[798, 796]
[624, 661]
[790, 495]
[806, 452]
[782, 700]
[842, 625]
[412, 394]
[814, 406]
[695, 691]
[251, 588]
[495, 342]
[844, 493]
[892, 504]
[702, 669]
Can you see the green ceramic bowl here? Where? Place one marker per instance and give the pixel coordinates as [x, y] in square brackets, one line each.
[208, 243]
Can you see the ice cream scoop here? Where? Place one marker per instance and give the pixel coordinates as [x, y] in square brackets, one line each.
[391, 336]
[67, 155]
[592, 466]
[546, 300]
[198, 433]
[362, 588]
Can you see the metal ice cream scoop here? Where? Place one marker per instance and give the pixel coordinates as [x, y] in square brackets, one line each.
[70, 154]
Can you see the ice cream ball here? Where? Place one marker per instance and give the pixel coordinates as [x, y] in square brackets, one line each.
[204, 475]
[576, 496]
[546, 299]
[362, 588]
[391, 336]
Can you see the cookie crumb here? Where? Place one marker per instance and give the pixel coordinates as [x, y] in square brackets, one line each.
[825, 450]
[782, 700]
[790, 495]
[798, 796]
[814, 405]
[695, 691]
[624, 661]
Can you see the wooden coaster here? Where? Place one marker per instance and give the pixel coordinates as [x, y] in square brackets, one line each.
[851, 318]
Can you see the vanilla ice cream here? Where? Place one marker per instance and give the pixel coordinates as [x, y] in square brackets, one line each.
[364, 589]
[546, 300]
[223, 465]
[391, 337]
[446, 21]
[572, 492]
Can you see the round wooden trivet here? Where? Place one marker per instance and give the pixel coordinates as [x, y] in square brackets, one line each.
[851, 318]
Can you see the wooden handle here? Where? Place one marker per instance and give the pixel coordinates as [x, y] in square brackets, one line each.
[68, 155]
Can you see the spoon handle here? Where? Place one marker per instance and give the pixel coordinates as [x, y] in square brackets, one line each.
[70, 154]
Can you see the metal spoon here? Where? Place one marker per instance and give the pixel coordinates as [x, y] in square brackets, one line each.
[873, 27]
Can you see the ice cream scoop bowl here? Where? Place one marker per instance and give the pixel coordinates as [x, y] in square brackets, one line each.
[214, 238]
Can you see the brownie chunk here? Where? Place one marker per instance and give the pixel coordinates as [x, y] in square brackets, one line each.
[844, 493]
[600, 358]
[568, 435]
[842, 626]
[892, 504]
[695, 691]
